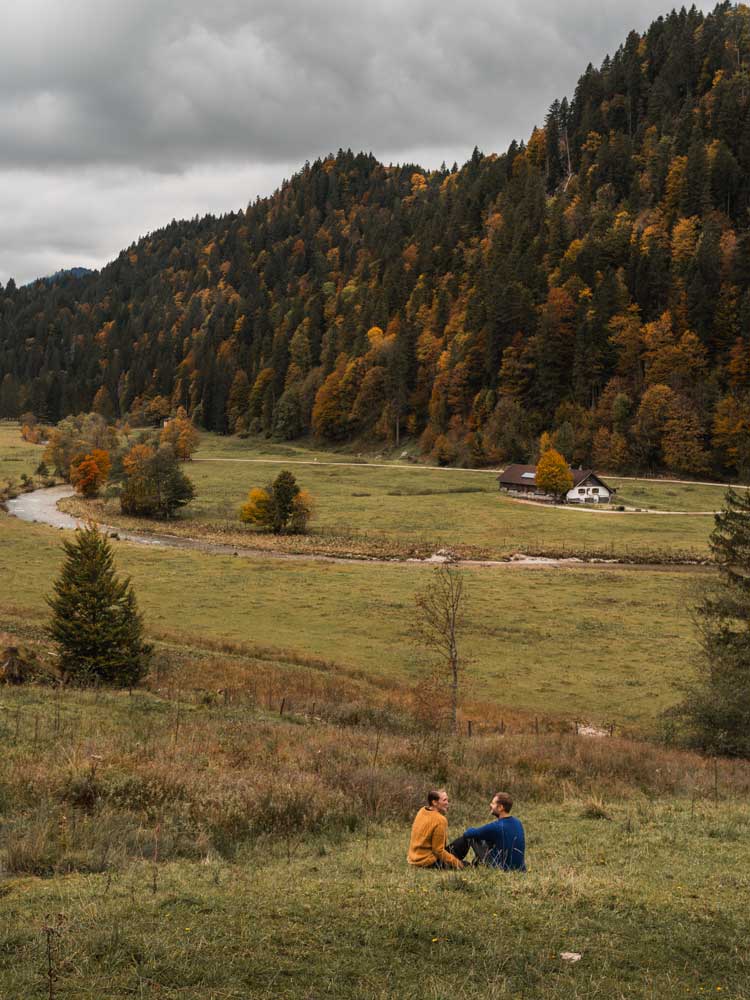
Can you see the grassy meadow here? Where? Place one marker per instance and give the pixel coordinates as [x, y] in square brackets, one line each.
[179, 842]
[236, 828]
[17, 457]
[567, 641]
[445, 507]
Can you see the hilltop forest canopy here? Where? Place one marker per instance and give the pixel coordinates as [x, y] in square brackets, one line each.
[593, 282]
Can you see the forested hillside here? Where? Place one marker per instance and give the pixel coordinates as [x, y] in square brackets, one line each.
[593, 282]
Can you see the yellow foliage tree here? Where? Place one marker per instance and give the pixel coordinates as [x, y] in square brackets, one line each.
[181, 435]
[685, 240]
[258, 508]
[553, 474]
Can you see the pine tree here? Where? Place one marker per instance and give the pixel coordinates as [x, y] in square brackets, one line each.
[95, 620]
[284, 492]
[716, 709]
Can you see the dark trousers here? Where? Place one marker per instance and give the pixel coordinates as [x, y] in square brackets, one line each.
[459, 848]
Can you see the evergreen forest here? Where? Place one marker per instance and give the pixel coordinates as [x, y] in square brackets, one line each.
[592, 282]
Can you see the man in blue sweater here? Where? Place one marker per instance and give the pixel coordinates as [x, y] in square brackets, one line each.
[500, 843]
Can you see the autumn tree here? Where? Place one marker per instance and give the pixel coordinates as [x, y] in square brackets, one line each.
[89, 472]
[731, 433]
[553, 474]
[281, 506]
[95, 622]
[154, 485]
[682, 442]
[656, 408]
[180, 434]
[78, 435]
[102, 404]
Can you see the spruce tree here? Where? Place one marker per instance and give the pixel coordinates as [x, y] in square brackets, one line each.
[283, 493]
[716, 709]
[95, 620]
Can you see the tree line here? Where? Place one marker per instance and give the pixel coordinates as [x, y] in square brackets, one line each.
[592, 283]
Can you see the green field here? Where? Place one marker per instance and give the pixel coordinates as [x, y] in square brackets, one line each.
[237, 828]
[599, 644]
[604, 644]
[207, 851]
[655, 495]
[404, 507]
[409, 502]
[16, 455]
[353, 923]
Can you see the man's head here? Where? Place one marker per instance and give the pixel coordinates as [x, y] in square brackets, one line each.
[437, 799]
[501, 804]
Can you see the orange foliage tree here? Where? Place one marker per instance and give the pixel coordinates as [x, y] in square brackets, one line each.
[89, 472]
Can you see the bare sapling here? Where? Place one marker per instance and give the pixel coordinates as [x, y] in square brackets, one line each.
[440, 620]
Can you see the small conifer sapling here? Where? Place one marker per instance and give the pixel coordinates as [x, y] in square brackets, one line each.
[95, 623]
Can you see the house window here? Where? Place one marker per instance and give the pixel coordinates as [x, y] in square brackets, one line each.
[581, 489]
[595, 489]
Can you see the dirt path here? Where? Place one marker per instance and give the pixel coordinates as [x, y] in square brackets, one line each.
[417, 466]
[579, 508]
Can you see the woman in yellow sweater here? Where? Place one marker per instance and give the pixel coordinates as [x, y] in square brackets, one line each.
[429, 834]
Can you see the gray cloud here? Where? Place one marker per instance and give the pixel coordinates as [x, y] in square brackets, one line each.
[102, 103]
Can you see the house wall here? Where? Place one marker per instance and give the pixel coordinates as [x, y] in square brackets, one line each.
[602, 495]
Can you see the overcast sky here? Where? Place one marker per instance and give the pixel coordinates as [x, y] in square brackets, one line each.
[116, 117]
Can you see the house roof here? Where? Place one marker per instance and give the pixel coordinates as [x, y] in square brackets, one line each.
[525, 475]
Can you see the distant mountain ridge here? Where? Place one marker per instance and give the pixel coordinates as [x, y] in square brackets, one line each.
[593, 282]
[67, 272]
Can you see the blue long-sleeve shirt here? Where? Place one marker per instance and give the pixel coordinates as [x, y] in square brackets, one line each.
[508, 842]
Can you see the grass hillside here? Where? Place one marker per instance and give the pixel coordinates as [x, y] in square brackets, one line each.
[191, 841]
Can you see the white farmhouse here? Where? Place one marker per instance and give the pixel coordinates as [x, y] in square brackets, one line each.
[587, 486]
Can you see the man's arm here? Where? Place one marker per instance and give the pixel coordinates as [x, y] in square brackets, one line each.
[438, 847]
[486, 832]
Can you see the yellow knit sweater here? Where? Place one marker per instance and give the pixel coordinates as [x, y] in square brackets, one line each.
[427, 843]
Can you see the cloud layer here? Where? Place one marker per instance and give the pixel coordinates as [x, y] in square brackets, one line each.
[114, 117]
